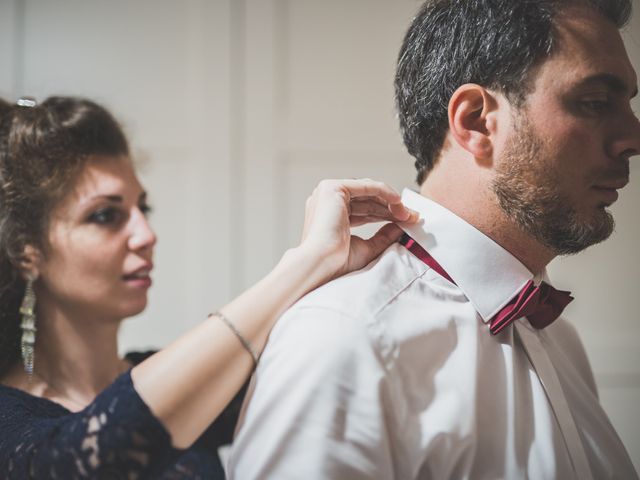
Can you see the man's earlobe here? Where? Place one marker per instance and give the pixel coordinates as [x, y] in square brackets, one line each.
[470, 120]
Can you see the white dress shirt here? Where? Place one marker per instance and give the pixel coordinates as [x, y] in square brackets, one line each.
[391, 373]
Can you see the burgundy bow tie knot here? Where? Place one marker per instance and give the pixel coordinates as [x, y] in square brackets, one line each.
[541, 305]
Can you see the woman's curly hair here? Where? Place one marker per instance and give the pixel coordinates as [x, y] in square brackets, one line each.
[42, 150]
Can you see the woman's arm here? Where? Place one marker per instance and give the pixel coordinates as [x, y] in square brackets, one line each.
[187, 384]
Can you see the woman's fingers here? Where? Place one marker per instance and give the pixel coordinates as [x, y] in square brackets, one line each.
[403, 214]
[366, 189]
[337, 205]
[367, 199]
[376, 207]
[385, 236]
[369, 208]
[356, 221]
[364, 251]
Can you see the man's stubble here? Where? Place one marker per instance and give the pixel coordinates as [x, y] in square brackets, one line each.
[528, 188]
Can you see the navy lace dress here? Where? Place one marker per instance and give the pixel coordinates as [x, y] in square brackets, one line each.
[115, 437]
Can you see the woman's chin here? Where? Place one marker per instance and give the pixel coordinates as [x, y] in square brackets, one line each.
[134, 308]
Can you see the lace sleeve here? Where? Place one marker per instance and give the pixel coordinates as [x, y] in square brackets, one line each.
[115, 437]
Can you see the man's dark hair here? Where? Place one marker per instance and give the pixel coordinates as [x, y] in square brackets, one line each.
[494, 43]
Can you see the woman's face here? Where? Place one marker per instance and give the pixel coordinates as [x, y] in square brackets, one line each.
[100, 251]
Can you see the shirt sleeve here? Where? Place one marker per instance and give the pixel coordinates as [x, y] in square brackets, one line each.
[116, 436]
[317, 405]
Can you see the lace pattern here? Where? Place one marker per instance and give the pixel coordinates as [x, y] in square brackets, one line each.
[115, 437]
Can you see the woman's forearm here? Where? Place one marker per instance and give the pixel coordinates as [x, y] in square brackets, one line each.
[188, 383]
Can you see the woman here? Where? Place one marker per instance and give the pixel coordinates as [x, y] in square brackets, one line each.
[75, 260]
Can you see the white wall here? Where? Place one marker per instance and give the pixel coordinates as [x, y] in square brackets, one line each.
[163, 68]
[236, 108]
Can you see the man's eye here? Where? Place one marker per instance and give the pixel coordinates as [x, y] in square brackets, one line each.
[595, 106]
[105, 216]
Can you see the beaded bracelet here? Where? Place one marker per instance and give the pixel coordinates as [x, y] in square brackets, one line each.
[245, 343]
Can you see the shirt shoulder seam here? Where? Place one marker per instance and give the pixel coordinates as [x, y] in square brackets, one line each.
[401, 290]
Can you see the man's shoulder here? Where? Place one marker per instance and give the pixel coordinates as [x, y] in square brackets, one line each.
[362, 293]
[392, 301]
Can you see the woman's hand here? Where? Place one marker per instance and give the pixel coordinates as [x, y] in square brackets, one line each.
[216, 361]
[334, 207]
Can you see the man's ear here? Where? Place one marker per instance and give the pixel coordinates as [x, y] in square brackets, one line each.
[30, 262]
[471, 120]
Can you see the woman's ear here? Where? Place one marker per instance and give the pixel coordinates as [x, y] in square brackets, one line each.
[30, 262]
[472, 110]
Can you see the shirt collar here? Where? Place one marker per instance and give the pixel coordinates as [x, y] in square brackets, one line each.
[487, 274]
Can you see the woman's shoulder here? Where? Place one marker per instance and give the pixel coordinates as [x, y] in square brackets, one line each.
[134, 358]
[16, 399]
[16, 404]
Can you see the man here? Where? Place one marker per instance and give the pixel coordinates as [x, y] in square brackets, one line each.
[442, 359]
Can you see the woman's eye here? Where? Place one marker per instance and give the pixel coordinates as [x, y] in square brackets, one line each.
[145, 209]
[105, 216]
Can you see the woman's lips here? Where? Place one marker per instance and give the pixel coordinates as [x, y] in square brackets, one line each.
[138, 282]
[140, 278]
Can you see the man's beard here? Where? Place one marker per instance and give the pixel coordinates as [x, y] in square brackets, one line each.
[529, 192]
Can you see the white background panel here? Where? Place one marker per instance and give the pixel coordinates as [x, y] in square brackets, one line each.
[236, 108]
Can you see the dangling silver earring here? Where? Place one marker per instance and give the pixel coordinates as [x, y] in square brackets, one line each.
[28, 325]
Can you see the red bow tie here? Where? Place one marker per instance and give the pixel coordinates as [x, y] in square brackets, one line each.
[541, 305]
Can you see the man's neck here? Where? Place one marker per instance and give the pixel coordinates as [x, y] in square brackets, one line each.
[476, 205]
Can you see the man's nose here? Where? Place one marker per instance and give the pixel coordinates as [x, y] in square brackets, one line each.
[628, 143]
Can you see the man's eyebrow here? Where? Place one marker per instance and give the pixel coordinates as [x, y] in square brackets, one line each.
[613, 82]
